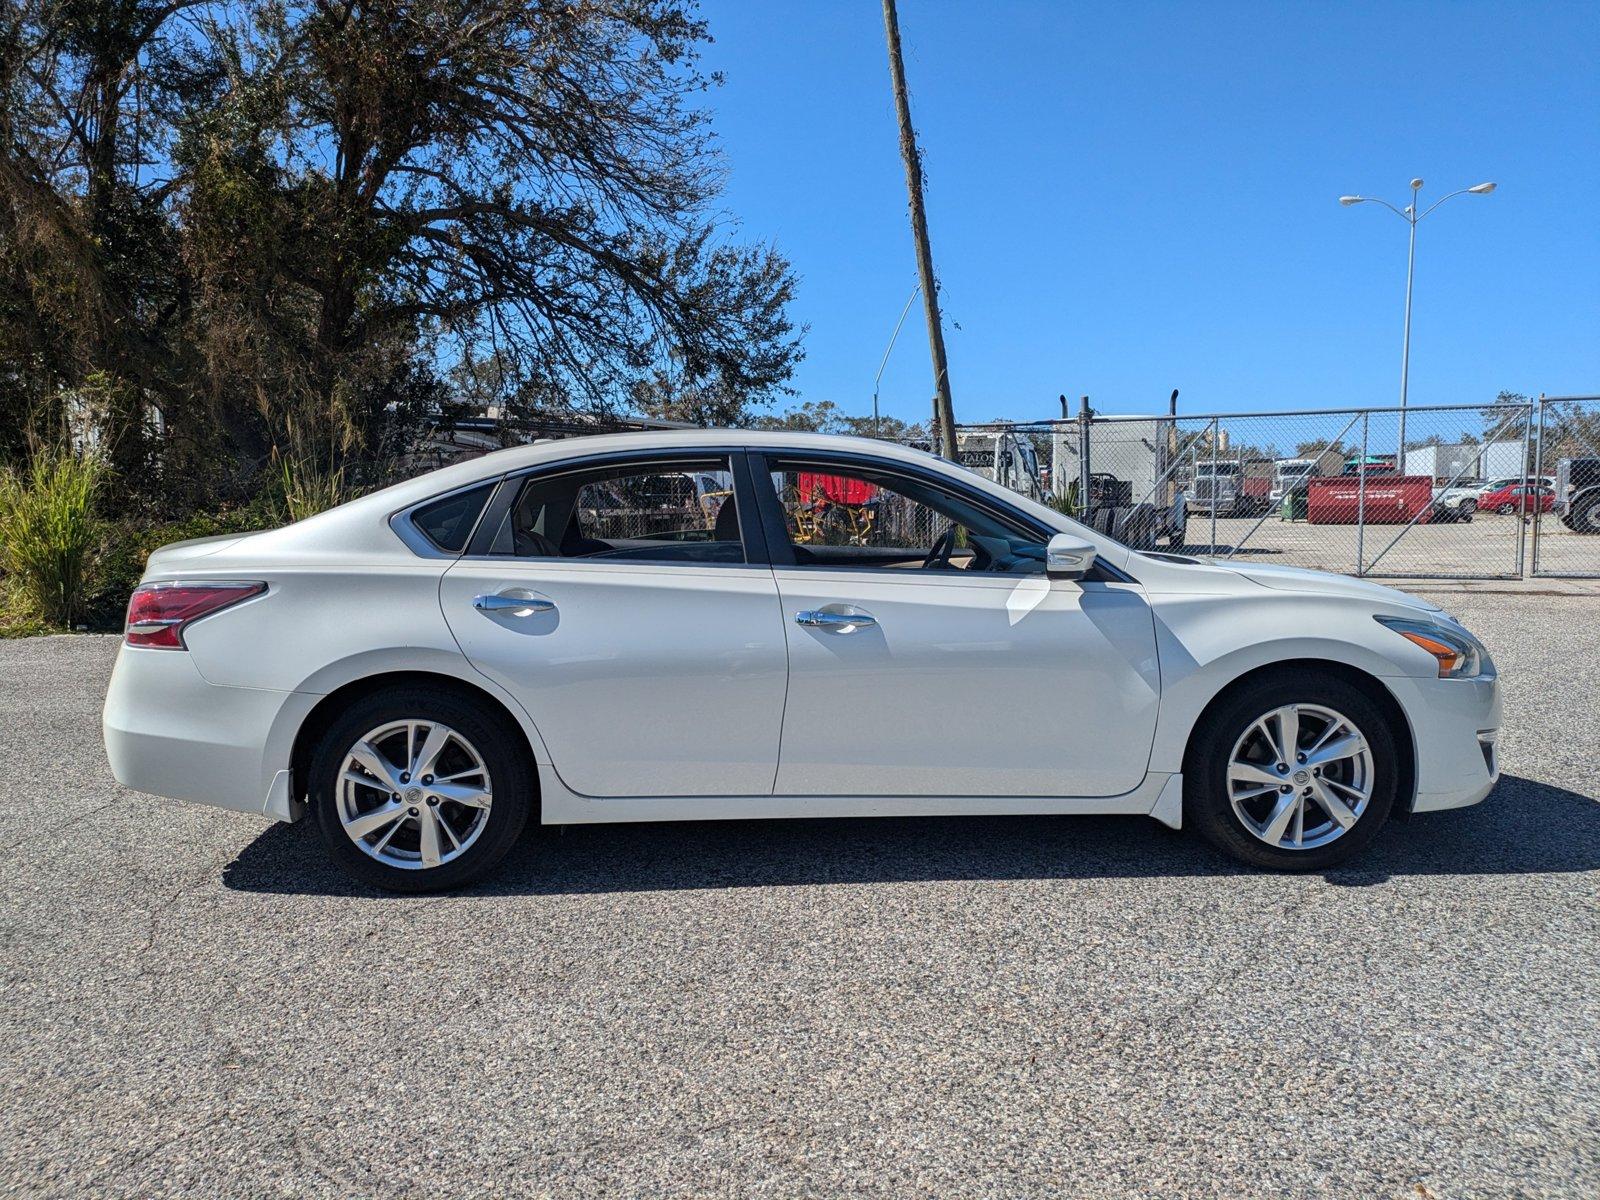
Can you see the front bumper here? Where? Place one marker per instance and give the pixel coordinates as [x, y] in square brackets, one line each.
[1456, 728]
[169, 732]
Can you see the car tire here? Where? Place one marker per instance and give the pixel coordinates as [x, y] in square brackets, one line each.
[1584, 514]
[1239, 731]
[474, 817]
[1505, 510]
[1469, 507]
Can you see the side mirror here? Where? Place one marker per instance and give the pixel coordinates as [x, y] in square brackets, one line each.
[1068, 557]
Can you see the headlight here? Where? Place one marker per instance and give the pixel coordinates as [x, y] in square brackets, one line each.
[1459, 654]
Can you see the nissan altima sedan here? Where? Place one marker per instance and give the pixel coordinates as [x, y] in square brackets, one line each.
[710, 625]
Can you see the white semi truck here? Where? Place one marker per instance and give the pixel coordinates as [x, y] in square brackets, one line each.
[1290, 474]
[1003, 455]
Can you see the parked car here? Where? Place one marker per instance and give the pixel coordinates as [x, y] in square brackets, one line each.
[1457, 502]
[1505, 481]
[430, 668]
[1519, 497]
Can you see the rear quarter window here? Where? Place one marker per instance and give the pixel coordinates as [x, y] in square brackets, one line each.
[448, 523]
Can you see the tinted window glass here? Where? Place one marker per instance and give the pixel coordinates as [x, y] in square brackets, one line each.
[677, 511]
[448, 523]
[847, 516]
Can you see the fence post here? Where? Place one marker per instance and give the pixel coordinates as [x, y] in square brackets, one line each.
[1538, 474]
[1085, 417]
[1213, 486]
[1361, 499]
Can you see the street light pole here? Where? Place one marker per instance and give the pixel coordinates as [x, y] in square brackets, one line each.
[1405, 347]
[1411, 216]
[893, 337]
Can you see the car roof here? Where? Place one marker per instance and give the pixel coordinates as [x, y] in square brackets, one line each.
[516, 458]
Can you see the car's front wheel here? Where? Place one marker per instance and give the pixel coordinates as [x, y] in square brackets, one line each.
[420, 790]
[1293, 772]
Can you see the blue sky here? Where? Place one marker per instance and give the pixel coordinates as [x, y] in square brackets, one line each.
[1126, 198]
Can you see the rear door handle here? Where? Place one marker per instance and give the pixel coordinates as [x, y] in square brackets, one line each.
[514, 602]
[834, 622]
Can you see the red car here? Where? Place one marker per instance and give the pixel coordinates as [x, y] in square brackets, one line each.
[1519, 497]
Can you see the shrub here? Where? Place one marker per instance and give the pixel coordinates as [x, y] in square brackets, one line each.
[48, 532]
[310, 487]
[128, 546]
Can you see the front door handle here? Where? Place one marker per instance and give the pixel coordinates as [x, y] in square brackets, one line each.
[513, 603]
[834, 622]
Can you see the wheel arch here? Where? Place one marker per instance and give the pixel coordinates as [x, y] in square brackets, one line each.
[327, 710]
[1371, 685]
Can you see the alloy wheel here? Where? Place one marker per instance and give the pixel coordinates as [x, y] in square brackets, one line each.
[413, 794]
[1300, 776]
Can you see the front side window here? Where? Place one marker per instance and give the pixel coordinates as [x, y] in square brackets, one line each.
[839, 515]
[680, 511]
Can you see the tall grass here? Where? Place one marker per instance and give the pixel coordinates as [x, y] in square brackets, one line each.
[310, 488]
[48, 532]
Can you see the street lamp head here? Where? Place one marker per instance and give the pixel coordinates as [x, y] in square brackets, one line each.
[1347, 201]
[1416, 185]
[1482, 189]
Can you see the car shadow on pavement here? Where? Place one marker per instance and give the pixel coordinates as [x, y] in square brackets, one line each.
[1525, 827]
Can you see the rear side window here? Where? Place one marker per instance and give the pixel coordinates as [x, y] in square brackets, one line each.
[658, 511]
[448, 523]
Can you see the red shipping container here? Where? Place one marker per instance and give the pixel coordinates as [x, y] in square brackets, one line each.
[1391, 499]
[815, 488]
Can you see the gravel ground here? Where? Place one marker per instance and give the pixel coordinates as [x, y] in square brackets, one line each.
[197, 1005]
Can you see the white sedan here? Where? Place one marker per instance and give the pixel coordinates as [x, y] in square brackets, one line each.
[708, 625]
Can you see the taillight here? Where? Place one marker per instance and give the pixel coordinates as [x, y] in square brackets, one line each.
[158, 613]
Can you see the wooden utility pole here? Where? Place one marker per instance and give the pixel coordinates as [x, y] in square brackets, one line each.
[944, 418]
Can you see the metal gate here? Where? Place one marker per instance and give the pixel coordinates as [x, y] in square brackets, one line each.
[1436, 492]
[1566, 535]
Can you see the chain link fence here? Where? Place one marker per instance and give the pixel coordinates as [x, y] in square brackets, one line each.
[1566, 534]
[1487, 491]
[1501, 490]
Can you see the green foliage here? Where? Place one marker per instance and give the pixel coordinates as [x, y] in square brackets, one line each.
[128, 545]
[310, 487]
[48, 531]
[824, 416]
[350, 201]
[1065, 503]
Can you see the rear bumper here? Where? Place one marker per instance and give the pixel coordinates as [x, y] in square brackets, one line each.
[170, 733]
[1456, 723]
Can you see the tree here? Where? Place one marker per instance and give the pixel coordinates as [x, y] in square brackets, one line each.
[824, 416]
[281, 224]
[527, 180]
[1314, 448]
[86, 286]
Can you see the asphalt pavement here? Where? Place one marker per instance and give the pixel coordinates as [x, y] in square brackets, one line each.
[197, 1004]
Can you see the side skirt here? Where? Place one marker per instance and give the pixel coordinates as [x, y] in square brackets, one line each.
[1156, 797]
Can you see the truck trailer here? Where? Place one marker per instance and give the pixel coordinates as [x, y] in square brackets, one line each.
[1465, 460]
[1133, 493]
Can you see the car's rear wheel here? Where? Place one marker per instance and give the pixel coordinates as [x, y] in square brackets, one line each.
[1292, 772]
[420, 789]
